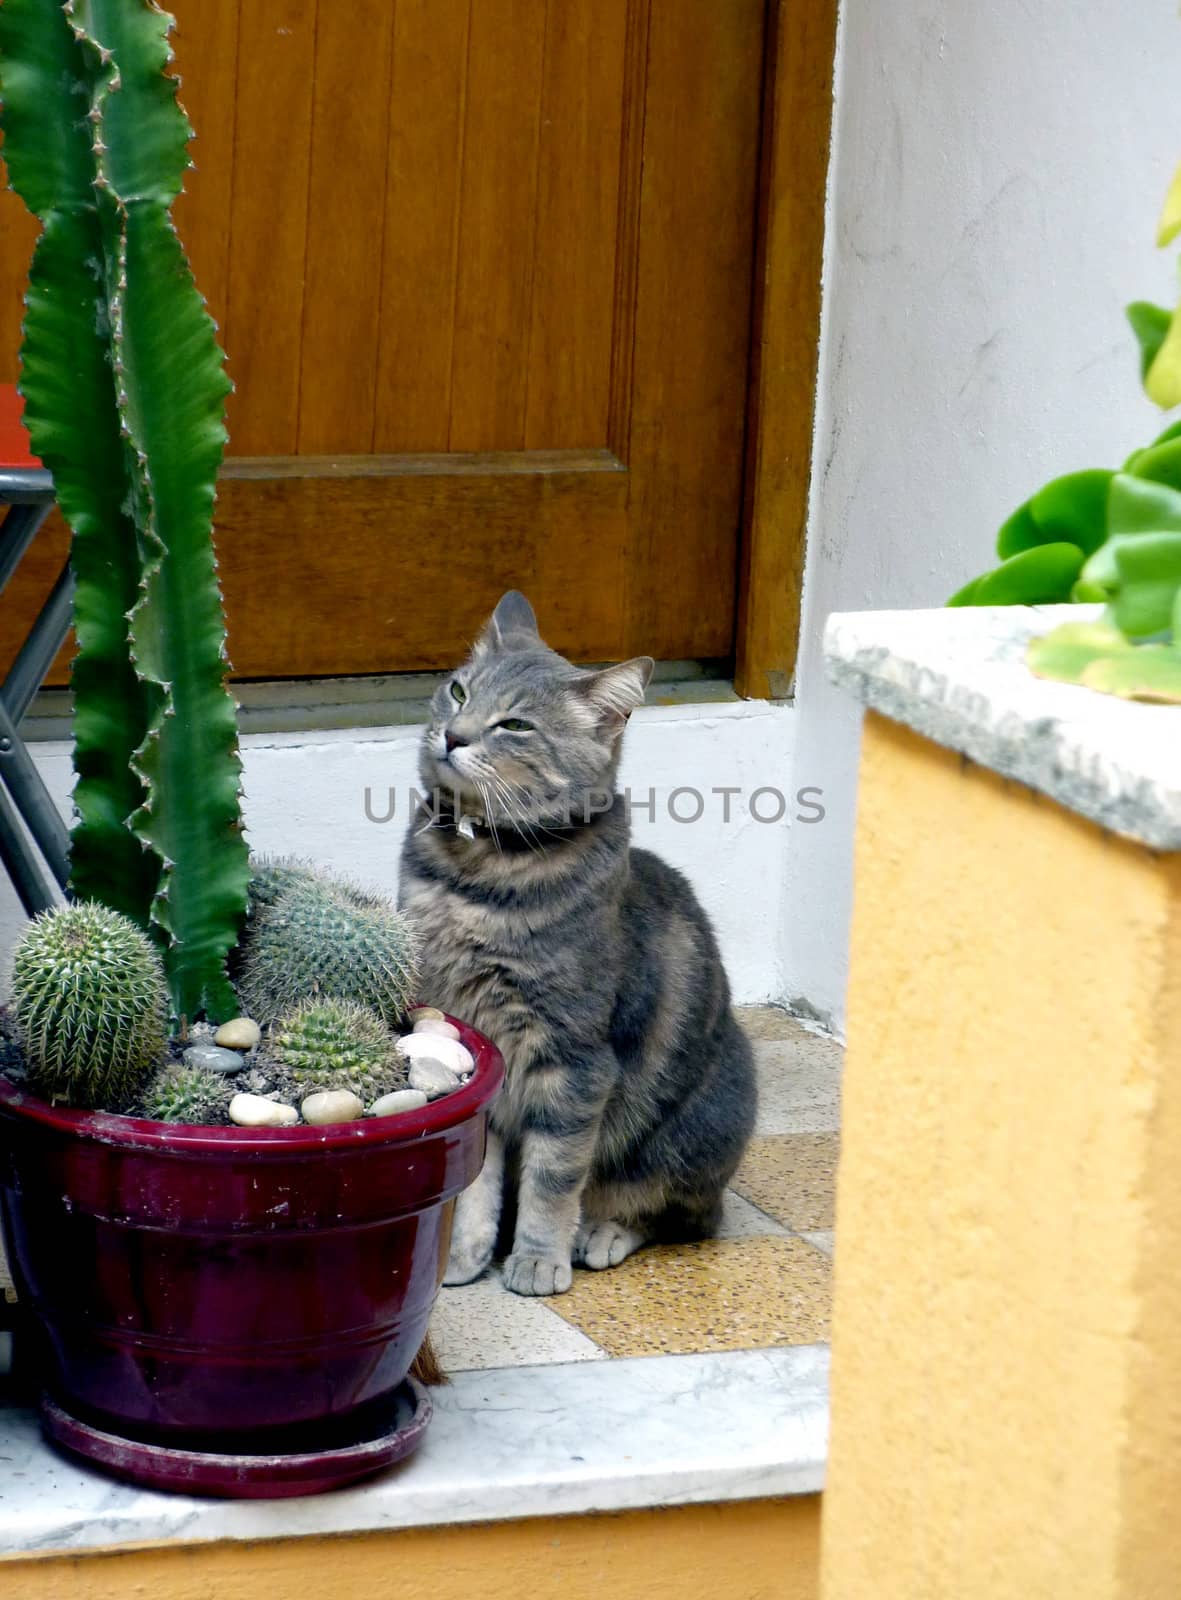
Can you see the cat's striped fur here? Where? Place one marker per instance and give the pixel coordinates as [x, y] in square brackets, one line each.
[629, 1092]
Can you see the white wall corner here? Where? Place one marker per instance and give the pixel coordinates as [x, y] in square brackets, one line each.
[995, 178]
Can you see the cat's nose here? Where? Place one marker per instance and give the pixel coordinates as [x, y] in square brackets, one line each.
[454, 741]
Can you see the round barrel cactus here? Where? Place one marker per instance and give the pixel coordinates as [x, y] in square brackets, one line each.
[327, 940]
[272, 876]
[90, 1000]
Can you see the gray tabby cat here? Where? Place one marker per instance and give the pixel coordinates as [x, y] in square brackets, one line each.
[629, 1093]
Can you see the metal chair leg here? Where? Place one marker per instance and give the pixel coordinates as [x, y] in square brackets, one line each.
[17, 533]
[26, 808]
[34, 888]
[31, 798]
[39, 650]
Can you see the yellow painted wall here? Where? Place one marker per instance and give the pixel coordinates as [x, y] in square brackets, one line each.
[1007, 1348]
[750, 1550]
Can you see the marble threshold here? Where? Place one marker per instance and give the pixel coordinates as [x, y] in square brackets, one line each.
[504, 1443]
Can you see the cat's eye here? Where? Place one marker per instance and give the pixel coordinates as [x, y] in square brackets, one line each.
[515, 725]
[458, 692]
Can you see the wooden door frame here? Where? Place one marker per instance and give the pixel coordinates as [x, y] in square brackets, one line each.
[785, 336]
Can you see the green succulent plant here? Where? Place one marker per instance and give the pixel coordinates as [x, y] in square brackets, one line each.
[1110, 537]
[90, 1002]
[335, 1044]
[193, 1095]
[327, 940]
[124, 389]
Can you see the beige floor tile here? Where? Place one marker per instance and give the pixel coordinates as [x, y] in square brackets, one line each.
[792, 1177]
[736, 1294]
[478, 1325]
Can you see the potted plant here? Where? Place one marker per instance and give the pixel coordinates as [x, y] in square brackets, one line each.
[1109, 537]
[230, 1267]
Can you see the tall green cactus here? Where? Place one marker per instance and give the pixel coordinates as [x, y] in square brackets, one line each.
[125, 391]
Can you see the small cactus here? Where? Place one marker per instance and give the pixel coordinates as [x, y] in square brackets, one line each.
[90, 1002]
[327, 940]
[193, 1095]
[334, 1044]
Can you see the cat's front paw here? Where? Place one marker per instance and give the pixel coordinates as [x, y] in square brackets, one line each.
[526, 1274]
[469, 1256]
[599, 1245]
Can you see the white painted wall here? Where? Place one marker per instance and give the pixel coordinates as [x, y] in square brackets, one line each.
[998, 168]
[305, 795]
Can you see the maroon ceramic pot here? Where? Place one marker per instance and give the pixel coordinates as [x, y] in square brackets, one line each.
[210, 1285]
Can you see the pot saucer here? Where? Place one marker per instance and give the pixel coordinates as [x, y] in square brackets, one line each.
[248, 1476]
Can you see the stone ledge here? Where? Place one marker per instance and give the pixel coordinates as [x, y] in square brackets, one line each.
[514, 1442]
[959, 678]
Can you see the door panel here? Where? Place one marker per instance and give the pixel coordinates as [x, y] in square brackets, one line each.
[483, 270]
[342, 285]
[420, 238]
[269, 220]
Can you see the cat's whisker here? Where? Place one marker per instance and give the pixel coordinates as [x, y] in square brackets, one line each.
[489, 818]
[524, 826]
[534, 826]
[510, 793]
[488, 795]
[506, 799]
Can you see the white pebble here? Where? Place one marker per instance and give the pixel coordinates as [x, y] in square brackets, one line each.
[432, 1077]
[240, 1033]
[432, 1047]
[398, 1100]
[331, 1105]
[256, 1111]
[426, 1014]
[442, 1030]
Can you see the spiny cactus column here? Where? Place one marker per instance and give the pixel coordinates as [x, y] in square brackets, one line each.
[124, 398]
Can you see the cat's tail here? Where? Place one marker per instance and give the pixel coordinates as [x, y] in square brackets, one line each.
[425, 1366]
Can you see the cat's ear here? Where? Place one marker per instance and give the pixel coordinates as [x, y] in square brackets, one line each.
[512, 626]
[615, 692]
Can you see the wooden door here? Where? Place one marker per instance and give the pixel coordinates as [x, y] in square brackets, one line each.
[483, 270]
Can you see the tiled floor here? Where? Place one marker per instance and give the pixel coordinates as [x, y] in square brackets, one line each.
[765, 1280]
